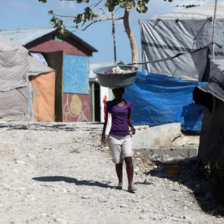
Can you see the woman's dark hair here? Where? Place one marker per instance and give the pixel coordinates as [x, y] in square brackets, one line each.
[122, 88]
[118, 90]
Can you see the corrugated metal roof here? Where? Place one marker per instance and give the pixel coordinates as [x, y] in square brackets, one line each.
[24, 36]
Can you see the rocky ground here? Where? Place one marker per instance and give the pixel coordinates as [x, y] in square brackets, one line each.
[60, 173]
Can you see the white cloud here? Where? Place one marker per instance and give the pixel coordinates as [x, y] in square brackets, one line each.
[66, 7]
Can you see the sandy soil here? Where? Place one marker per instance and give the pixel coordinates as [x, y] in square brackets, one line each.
[59, 173]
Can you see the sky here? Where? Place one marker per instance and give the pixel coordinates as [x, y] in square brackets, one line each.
[31, 13]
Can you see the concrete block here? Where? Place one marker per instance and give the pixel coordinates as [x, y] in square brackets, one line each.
[155, 137]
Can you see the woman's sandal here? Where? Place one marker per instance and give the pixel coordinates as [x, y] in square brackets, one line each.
[132, 189]
[119, 187]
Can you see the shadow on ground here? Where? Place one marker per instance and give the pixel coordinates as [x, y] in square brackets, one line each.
[73, 180]
[186, 172]
[49, 127]
[36, 127]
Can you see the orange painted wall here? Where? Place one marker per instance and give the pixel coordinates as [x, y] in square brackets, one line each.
[44, 96]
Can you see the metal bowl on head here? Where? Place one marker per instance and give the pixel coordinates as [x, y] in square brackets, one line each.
[108, 78]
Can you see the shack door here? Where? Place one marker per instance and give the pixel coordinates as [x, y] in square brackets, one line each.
[55, 61]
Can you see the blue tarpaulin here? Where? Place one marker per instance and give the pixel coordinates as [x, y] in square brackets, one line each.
[159, 99]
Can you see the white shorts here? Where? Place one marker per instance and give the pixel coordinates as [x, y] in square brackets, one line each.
[120, 147]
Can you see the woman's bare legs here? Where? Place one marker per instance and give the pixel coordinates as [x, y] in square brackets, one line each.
[130, 170]
[119, 170]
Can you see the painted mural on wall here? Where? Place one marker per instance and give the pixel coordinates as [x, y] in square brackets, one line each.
[75, 107]
[75, 74]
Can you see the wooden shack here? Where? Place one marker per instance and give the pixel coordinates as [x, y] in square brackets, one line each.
[69, 56]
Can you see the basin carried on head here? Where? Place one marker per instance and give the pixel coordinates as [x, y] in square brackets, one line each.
[107, 78]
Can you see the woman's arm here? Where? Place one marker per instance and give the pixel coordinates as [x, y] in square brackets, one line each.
[103, 137]
[130, 123]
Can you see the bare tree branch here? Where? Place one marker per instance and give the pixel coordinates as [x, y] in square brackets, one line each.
[99, 20]
[95, 5]
[63, 15]
[103, 12]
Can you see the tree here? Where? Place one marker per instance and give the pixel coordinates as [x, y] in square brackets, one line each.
[94, 13]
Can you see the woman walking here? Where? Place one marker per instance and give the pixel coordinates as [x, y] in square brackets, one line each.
[119, 139]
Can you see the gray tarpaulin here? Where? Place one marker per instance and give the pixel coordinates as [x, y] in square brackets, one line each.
[211, 95]
[36, 67]
[13, 65]
[14, 104]
[13, 84]
[177, 43]
[215, 87]
[15, 68]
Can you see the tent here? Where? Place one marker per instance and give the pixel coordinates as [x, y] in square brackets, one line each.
[27, 87]
[211, 95]
[178, 44]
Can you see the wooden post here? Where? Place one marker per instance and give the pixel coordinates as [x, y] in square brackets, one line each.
[213, 30]
[114, 39]
[92, 101]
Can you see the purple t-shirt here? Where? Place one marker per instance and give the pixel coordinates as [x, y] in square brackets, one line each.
[119, 118]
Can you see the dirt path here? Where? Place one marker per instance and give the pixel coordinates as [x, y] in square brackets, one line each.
[59, 173]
